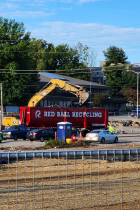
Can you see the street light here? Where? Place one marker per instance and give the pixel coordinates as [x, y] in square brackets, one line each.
[137, 88]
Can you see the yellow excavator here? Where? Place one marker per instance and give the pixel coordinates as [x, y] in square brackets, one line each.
[54, 83]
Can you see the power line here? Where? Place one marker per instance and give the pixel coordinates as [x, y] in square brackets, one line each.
[36, 73]
[80, 71]
[35, 85]
[39, 52]
[87, 68]
[66, 73]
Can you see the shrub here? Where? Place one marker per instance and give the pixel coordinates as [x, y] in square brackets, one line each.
[53, 143]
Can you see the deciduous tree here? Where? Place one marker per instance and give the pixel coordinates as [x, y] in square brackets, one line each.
[15, 61]
[116, 72]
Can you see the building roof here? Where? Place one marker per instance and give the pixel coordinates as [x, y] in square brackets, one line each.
[46, 77]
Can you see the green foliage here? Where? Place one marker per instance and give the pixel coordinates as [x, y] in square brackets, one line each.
[14, 45]
[53, 142]
[114, 55]
[129, 79]
[19, 54]
[118, 76]
[114, 79]
[100, 99]
[68, 58]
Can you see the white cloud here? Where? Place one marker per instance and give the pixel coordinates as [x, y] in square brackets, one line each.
[86, 1]
[25, 14]
[98, 37]
[8, 6]
[66, 8]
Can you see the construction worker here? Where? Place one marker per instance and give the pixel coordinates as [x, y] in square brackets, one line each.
[111, 129]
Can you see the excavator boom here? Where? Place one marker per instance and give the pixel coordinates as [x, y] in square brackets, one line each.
[83, 96]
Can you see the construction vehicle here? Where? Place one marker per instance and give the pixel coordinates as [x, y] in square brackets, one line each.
[54, 83]
[57, 83]
[83, 119]
[10, 119]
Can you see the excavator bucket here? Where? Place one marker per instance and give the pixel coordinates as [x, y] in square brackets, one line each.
[83, 97]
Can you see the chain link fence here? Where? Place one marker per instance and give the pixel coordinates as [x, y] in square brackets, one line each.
[88, 179]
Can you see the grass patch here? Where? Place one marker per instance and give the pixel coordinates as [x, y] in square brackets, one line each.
[51, 143]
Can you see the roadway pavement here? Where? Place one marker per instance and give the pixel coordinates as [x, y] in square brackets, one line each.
[131, 137]
[124, 140]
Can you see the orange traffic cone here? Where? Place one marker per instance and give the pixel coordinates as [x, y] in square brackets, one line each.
[80, 135]
[55, 135]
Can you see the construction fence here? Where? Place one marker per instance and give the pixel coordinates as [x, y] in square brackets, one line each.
[81, 179]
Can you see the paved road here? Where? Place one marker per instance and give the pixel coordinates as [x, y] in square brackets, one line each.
[124, 139]
[121, 117]
[21, 143]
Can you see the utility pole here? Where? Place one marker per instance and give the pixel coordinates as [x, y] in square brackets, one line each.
[90, 86]
[1, 107]
[137, 93]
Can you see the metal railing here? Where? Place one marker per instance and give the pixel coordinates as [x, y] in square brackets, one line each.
[88, 179]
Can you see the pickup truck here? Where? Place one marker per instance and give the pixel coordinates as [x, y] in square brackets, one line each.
[15, 132]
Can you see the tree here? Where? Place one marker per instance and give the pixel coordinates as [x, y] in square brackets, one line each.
[15, 60]
[114, 55]
[114, 79]
[116, 72]
[68, 58]
[131, 95]
[61, 59]
[100, 99]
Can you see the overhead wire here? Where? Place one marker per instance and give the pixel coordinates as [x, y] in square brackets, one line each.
[56, 52]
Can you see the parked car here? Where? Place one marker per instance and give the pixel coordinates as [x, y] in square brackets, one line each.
[102, 136]
[15, 132]
[1, 137]
[41, 134]
[134, 113]
[113, 111]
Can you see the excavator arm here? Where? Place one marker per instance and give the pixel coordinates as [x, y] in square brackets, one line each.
[79, 92]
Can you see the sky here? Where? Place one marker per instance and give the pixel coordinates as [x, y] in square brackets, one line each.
[98, 24]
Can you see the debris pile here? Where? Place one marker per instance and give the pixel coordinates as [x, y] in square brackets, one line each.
[125, 126]
[128, 123]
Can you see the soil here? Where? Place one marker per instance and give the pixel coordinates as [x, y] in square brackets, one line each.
[80, 145]
[70, 183]
[66, 183]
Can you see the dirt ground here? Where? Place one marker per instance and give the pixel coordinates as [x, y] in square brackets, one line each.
[70, 183]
